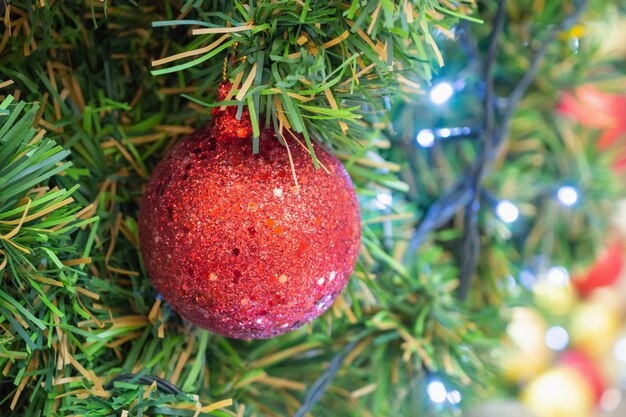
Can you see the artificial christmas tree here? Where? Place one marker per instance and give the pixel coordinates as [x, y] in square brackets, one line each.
[473, 190]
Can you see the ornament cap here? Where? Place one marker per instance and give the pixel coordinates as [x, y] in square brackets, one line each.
[223, 90]
[226, 125]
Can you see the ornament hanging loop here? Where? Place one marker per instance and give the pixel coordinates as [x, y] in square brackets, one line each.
[234, 59]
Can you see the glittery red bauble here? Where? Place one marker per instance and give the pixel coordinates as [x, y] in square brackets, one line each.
[233, 244]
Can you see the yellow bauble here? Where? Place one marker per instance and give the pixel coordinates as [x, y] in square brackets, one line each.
[560, 392]
[528, 355]
[595, 326]
[557, 299]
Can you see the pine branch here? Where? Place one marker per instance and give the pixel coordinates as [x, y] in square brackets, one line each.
[471, 240]
[465, 191]
[518, 92]
[318, 62]
[86, 65]
[314, 394]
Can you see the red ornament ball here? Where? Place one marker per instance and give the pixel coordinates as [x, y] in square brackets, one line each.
[604, 272]
[587, 368]
[232, 242]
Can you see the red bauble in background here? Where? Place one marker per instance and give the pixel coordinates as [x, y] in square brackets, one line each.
[601, 110]
[233, 244]
[594, 108]
[585, 367]
[604, 272]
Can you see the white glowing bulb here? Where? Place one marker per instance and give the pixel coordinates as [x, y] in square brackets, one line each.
[557, 276]
[507, 211]
[383, 201]
[426, 138]
[441, 93]
[454, 397]
[611, 399]
[445, 132]
[568, 196]
[620, 350]
[437, 392]
[557, 338]
[527, 279]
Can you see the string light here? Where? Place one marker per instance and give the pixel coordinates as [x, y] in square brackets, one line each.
[425, 138]
[557, 276]
[507, 211]
[441, 93]
[568, 196]
[508, 282]
[620, 350]
[527, 279]
[437, 392]
[610, 400]
[557, 338]
[454, 397]
[383, 201]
